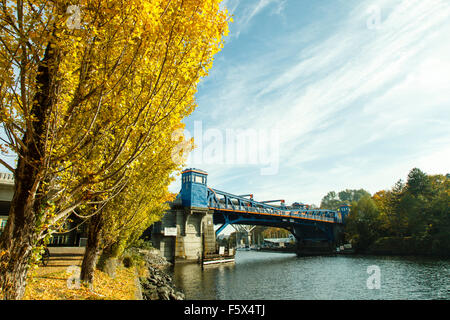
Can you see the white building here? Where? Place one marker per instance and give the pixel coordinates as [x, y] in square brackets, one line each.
[6, 195]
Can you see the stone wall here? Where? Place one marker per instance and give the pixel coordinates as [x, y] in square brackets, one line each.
[158, 285]
[195, 230]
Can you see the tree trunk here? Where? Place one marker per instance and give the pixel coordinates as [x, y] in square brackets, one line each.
[108, 261]
[20, 234]
[17, 241]
[92, 249]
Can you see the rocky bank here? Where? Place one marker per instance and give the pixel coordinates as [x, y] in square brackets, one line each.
[158, 285]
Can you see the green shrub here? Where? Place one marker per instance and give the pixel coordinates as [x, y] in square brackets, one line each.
[128, 261]
[132, 258]
[141, 244]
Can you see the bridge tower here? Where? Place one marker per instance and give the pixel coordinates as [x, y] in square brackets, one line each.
[188, 222]
[344, 211]
[194, 188]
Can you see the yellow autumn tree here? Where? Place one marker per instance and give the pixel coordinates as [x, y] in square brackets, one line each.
[141, 202]
[85, 87]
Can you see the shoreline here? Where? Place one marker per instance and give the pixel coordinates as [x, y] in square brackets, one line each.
[365, 253]
[158, 284]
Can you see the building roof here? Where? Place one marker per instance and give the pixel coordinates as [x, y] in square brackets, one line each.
[6, 178]
[195, 170]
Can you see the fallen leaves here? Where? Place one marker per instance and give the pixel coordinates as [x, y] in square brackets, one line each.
[53, 286]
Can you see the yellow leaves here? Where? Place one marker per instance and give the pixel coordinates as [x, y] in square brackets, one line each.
[50, 283]
[122, 84]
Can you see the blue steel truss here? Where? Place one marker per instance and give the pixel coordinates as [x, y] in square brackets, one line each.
[223, 201]
[228, 208]
[233, 209]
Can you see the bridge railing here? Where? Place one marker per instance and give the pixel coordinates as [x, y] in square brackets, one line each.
[235, 203]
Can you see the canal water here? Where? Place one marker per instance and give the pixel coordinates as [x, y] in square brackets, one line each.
[284, 276]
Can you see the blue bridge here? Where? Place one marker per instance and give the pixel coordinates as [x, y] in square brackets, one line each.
[315, 230]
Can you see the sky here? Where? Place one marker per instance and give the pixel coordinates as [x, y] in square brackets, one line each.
[308, 97]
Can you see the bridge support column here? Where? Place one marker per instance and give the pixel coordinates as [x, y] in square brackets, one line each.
[313, 240]
[314, 247]
[194, 234]
[197, 237]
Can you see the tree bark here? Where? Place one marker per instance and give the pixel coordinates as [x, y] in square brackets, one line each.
[20, 234]
[92, 249]
[108, 262]
[109, 259]
[17, 241]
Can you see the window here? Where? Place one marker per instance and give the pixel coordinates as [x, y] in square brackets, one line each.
[2, 225]
[198, 179]
[59, 240]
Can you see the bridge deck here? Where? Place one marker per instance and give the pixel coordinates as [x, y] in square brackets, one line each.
[220, 201]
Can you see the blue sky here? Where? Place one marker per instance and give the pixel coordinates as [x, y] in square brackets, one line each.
[346, 94]
[343, 94]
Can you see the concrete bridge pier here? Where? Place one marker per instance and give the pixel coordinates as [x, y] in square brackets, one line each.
[317, 239]
[195, 234]
[314, 247]
[184, 234]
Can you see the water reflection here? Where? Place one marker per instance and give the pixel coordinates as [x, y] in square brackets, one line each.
[274, 276]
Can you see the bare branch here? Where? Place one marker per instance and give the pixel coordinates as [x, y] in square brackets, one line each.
[7, 166]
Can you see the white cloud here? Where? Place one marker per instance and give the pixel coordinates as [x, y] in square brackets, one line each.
[356, 107]
[249, 10]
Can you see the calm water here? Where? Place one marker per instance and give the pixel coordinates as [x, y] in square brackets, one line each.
[282, 276]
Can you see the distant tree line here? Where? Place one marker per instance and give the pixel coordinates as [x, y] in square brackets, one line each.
[333, 201]
[411, 218]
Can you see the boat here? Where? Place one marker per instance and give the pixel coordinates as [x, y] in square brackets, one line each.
[345, 249]
[223, 256]
[218, 260]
